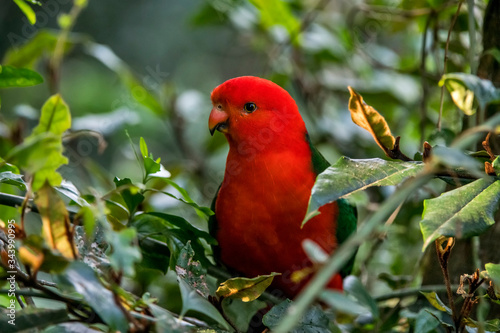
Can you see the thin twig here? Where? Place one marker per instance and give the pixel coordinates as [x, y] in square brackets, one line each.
[425, 85]
[447, 45]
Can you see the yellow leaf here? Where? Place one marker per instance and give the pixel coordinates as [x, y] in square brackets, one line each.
[244, 288]
[368, 118]
[57, 230]
[31, 257]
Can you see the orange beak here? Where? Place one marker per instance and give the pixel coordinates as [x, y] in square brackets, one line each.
[218, 121]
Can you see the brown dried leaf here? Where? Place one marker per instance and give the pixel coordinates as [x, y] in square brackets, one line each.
[368, 118]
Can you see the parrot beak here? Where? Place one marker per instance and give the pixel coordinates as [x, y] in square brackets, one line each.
[218, 121]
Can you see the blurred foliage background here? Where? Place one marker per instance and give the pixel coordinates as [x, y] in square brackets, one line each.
[148, 67]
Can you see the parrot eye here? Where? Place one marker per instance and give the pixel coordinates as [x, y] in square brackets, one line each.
[250, 107]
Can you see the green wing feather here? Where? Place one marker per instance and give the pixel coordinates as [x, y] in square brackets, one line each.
[347, 219]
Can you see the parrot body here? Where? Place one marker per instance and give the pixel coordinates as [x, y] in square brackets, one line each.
[270, 170]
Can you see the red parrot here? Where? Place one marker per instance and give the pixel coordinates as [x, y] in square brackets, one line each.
[271, 168]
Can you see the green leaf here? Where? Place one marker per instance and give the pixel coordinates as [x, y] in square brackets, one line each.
[353, 287]
[166, 322]
[18, 77]
[151, 166]
[187, 199]
[173, 232]
[184, 225]
[41, 152]
[433, 298]
[192, 301]
[27, 10]
[55, 117]
[458, 160]
[425, 322]
[464, 88]
[246, 289]
[144, 148]
[124, 252]
[342, 303]
[493, 271]
[44, 41]
[40, 155]
[241, 313]
[8, 177]
[85, 282]
[464, 212]
[191, 271]
[492, 325]
[314, 321]
[129, 192]
[57, 230]
[349, 176]
[496, 165]
[278, 12]
[32, 318]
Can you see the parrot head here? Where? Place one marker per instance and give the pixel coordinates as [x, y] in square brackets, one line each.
[248, 108]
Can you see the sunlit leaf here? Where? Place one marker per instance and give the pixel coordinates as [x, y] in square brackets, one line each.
[27, 10]
[349, 176]
[57, 230]
[32, 318]
[433, 298]
[464, 88]
[18, 77]
[51, 261]
[464, 212]
[85, 282]
[314, 321]
[245, 289]
[55, 117]
[191, 271]
[144, 147]
[492, 325]
[31, 257]
[368, 118]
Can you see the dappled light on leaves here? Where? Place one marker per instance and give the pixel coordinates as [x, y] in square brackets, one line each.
[246, 289]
